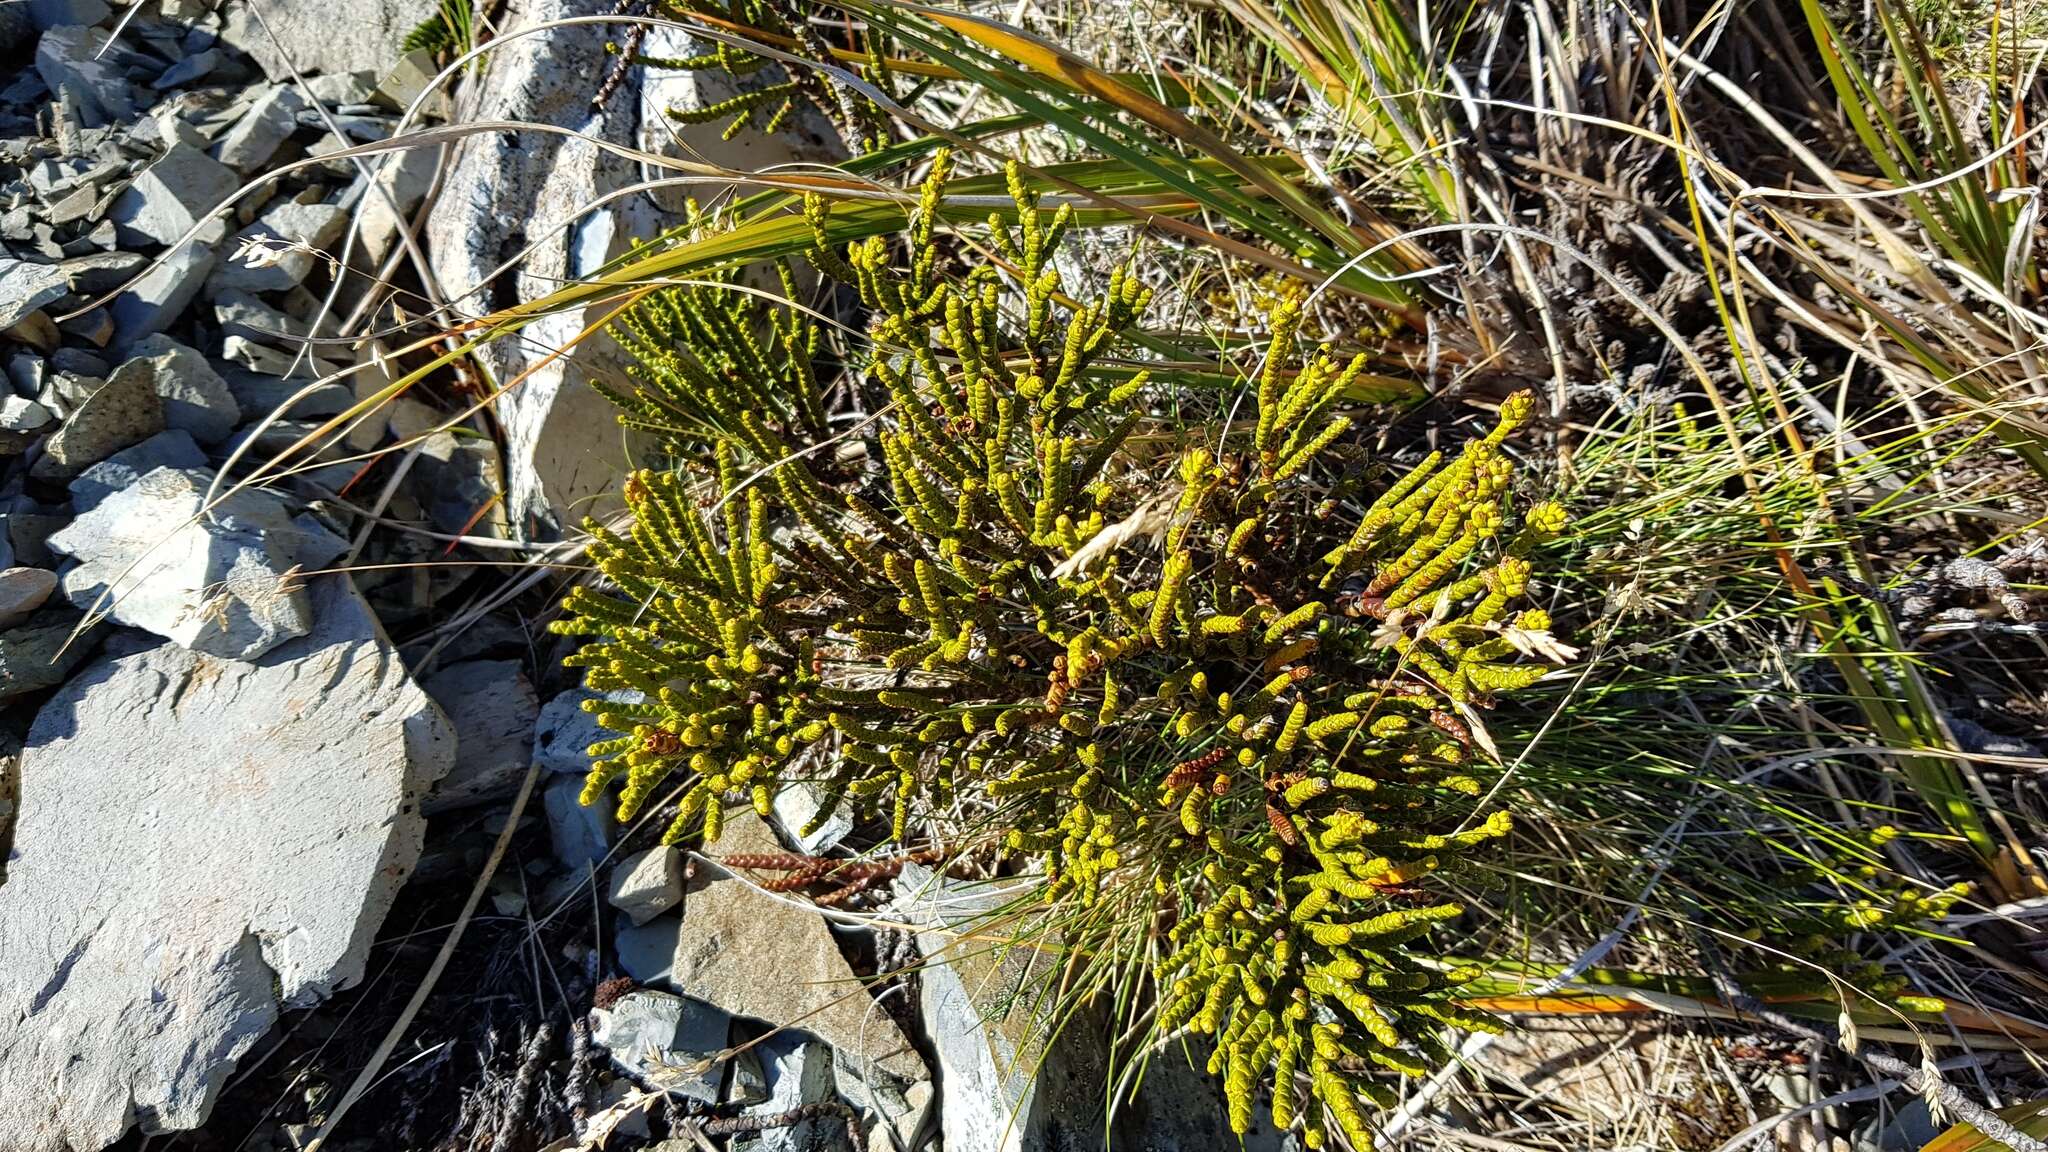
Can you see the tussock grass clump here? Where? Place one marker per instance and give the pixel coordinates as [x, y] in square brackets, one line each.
[1171, 670]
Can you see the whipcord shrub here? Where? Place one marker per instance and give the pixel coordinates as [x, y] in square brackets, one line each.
[1211, 670]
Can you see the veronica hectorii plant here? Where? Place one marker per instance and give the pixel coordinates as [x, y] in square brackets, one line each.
[1196, 670]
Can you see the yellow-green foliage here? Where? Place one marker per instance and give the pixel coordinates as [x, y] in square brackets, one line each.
[1810, 934]
[859, 119]
[1200, 683]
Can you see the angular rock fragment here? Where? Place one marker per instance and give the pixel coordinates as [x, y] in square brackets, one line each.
[403, 180]
[267, 361]
[246, 315]
[492, 707]
[22, 591]
[172, 195]
[278, 250]
[196, 399]
[673, 1043]
[580, 833]
[100, 272]
[29, 525]
[154, 302]
[26, 287]
[1008, 1082]
[124, 410]
[41, 651]
[79, 362]
[338, 88]
[194, 67]
[95, 327]
[309, 36]
[25, 371]
[646, 951]
[269, 122]
[564, 731]
[752, 954]
[562, 457]
[644, 885]
[796, 808]
[169, 449]
[225, 581]
[798, 1073]
[70, 60]
[460, 485]
[199, 840]
[22, 423]
[260, 395]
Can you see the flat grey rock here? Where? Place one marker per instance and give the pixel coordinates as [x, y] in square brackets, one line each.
[25, 371]
[673, 1043]
[264, 360]
[224, 583]
[52, 13]
[172, 195]
[63, 390]
[196, 399]
[643, 885]
[458, 481]
[402, 181]
[753, 954]
[797, 804]
[199, 841]
[40, 653]
[167, 449]
[357, 127]
[408, 80]
[277, 251]
[168, 124]
[1006, 1083]
[98, 273]
[797, 1071]
[1909, 1128]
[309, 35]
[25, 287]
[69, 60]
[197, 66]
[269, 122]
[76, 205]
[22, 415]
[68, 383]
[492, 707]
[95, 327]
[564, 731]
[156, 301]
[345, 87]
[29, 525]
[987, 1049]
[564, 456]
[646, 951]
[259, 395]
[581, 833]
[244, 314]
[22, 591]
[123, 411]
